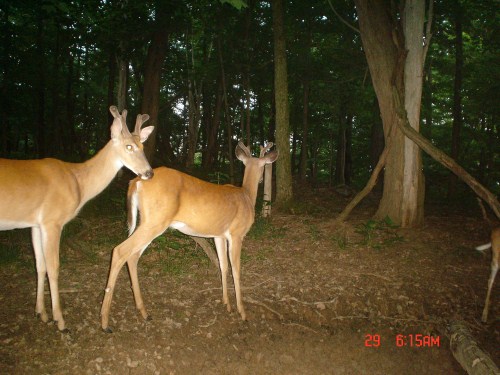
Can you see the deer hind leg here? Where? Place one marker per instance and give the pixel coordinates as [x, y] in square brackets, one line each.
[137, 242]
[221, 246]
[491, 280]
[132, 269]
[41, 269]
[51, 237]
[235, 244]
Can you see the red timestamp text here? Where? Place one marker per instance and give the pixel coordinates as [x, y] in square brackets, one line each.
[417, 340]
[412, 340]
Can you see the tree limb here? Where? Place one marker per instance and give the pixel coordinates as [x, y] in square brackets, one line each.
[342, 20]
[442, 158]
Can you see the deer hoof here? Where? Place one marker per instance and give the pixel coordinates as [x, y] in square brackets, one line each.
[107, 330]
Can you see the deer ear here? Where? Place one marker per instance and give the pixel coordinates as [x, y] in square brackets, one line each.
[146, 132]
[271, 156]
[116, 128]
[241, 152]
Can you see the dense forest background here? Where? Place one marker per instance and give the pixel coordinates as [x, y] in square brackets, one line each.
[64, 62]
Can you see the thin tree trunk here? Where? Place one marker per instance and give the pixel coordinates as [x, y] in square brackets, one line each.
[457, 98]
[305, 130]
[155, 60]
[227, 115]
[111, 85]
[284, 191]
[121, 92]
[40, 89]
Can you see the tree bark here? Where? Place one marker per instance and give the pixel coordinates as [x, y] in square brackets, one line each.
[284, 192]
[155, 60]
[457, 98]
[412, 210]
[385, 48]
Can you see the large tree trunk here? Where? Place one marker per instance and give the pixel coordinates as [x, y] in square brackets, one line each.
[151, 96]
[385, 49]
[412, 210]
[284, 191]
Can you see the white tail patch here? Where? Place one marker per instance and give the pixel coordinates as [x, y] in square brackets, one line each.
[483, 247]
[133, 209]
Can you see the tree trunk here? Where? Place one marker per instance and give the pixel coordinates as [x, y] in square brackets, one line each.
[227, 114]
[385, 49]
[111, 88]
[121, 92]
[5, 85]
[305, 130]
[457, 98]
[151, 96]
[40, 89]
[283, 168]
[413, 177]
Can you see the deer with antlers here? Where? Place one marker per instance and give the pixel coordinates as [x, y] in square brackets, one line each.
[45, 194]
[196, 208]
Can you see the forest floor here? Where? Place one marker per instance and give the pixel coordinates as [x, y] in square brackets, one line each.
[320, 299]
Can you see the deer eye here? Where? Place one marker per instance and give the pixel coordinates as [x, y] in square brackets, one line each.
[129, 147]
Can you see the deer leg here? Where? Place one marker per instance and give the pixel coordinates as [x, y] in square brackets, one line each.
[235, 244]
[494, 270]
[221, 246]
[51, 237]
[138, 241]
[132, 269]
[41, 269]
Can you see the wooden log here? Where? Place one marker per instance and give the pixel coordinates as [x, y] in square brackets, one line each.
[466, 351]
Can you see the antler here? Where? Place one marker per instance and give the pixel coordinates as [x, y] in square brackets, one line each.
[141, 119]
[123, 117]
[266, 148]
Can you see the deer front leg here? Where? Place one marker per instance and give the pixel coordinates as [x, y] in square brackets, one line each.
[51, 237]
[132, 269]
[235, 244]
[41, 269]
[221, 246]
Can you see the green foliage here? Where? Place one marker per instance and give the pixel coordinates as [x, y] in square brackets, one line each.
[238, 4]
[177, 253]
[379, 234]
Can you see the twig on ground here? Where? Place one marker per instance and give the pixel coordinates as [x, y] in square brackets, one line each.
[252, 301]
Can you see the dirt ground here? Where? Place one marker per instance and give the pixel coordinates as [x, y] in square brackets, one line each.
[320, 299]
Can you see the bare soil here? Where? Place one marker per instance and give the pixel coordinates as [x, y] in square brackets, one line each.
[320, 299]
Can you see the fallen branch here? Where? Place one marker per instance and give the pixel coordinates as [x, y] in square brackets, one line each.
[466, 351]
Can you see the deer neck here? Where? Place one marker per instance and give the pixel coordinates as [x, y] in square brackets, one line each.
[251, 183]
[95, 174]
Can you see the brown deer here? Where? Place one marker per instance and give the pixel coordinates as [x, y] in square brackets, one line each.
[196, 208]
[495, 256]
[45, 194]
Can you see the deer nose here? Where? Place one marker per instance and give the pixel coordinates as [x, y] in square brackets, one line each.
[149, 174]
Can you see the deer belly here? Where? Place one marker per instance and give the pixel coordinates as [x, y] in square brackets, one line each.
[186, 229]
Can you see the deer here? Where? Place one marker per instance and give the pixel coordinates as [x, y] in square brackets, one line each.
[45, 194]
[173, 199]
[495, 256]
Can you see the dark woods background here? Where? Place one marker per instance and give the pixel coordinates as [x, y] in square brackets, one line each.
[204, 71]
